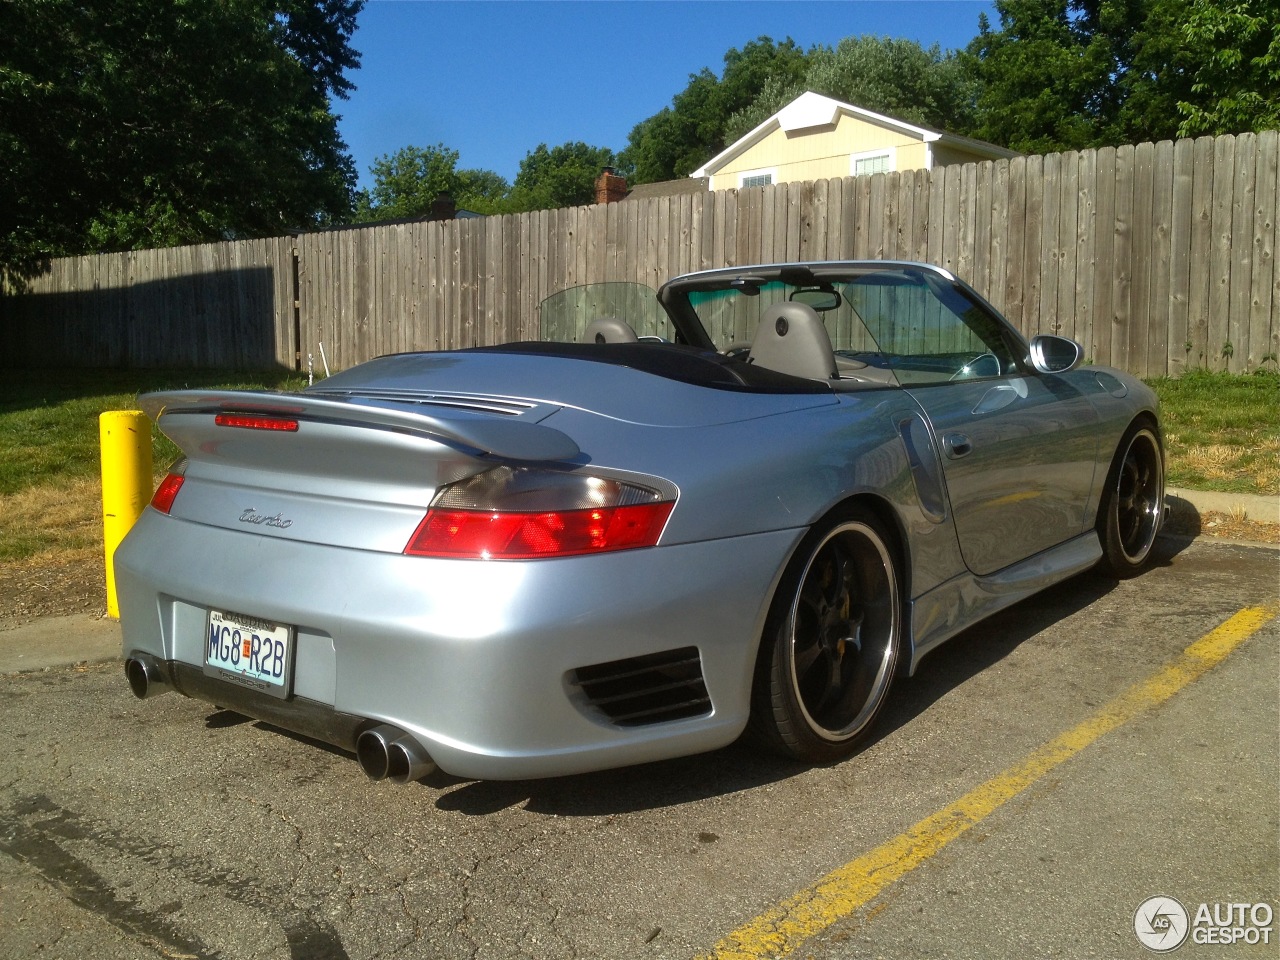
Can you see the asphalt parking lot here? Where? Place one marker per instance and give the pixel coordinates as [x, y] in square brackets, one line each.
[1039, 779]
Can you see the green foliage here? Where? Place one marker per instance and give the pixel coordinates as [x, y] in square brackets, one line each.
[1236, 85]
[563, 176]
[1065, 74]
[407, 182]
[898, 78]
[480, 191]
[143, 123]
[678, 139]
[1069, 74]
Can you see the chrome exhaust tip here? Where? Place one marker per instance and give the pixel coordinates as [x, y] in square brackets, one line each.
[386, 753]
[146, 676]
[408, 761]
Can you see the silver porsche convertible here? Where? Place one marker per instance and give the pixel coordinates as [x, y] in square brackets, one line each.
[742, 504]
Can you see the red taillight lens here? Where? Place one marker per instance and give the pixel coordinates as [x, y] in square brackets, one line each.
[481, 535]
[253, 421]
[526, 513]
[166, 492]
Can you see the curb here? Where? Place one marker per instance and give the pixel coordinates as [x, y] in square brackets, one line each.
[59, 642]
[1254, 507]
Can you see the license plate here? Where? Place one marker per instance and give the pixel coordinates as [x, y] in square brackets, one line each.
[248, 651]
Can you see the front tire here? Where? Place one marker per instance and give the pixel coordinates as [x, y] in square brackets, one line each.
[831, 642]
[1132, 506]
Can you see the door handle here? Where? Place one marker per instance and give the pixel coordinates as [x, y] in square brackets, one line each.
[957, 445]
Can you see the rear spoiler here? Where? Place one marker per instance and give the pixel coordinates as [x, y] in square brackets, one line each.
[506, 439]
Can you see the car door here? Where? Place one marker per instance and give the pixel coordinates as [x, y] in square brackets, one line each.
[1017, 455]
[1017, 447]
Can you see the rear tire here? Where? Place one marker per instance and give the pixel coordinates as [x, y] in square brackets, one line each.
[831, 642]
[1132, 505]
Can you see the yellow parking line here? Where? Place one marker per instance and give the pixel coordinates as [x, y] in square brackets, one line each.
[782, 929]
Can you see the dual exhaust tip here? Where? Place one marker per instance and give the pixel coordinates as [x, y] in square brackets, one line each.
[385, 752]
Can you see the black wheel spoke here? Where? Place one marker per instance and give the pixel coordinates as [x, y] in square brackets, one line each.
[806, 657]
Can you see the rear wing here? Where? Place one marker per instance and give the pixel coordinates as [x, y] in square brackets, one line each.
[508, 439]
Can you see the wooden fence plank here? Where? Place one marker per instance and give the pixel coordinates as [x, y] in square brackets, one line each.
[1242, 246]
[1140, 290]
[1179, 352]
[982, 268]
[1086, 230]
[1161, 283]
[1264, 334]
[1031, 320]
[1220, 258]
[1201, 246]
[1122, 258]
[1051, 246]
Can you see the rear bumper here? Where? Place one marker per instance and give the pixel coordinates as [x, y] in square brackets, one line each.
[476, 660]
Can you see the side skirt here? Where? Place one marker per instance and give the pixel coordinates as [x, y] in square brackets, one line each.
[962, 601]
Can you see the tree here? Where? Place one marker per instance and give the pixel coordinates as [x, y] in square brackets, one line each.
[1065, 74]
[1236, 83]
[678, 139]
[898, 78]
[481, 191]
[407, 182]
[143, 123]
[563, 176]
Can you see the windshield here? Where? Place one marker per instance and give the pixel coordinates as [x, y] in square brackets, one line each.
[917, 325]
[564, 317]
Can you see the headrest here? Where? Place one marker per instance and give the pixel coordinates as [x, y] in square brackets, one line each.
[792, 339]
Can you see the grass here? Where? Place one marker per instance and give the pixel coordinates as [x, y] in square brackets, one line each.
[49, 471]
[1222, 433]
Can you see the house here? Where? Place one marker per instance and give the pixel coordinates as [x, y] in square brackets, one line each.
[817, 138]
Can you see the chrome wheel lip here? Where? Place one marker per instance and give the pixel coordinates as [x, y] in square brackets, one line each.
[880, 650]
[1139, 498]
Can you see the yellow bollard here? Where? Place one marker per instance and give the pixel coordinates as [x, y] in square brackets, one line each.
[125, 438]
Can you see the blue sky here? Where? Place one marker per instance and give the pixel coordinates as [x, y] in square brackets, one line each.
[492, 79]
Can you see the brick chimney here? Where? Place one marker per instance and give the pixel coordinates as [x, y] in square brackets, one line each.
[442, 207]
[610, 188]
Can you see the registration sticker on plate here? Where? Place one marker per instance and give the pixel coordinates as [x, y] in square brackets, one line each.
[251, 652]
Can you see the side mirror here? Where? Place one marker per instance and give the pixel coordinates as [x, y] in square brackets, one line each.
[1050, 354]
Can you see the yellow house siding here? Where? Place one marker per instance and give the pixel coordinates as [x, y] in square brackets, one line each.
[819, 154]
[908, 156]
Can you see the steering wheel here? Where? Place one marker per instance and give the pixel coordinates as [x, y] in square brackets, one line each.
[738, 350]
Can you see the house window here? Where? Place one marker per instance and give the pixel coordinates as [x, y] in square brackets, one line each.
[879, 161]
[756, 178]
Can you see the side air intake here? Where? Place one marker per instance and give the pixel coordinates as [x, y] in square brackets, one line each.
[644, 690]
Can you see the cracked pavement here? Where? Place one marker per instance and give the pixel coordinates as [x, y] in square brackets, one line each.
[165, 828]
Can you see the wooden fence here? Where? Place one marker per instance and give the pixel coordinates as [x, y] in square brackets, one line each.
[217, 305]
[1157, 257]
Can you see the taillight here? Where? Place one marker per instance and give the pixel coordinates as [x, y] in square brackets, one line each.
[525, 514]
[166, 492]
[254, 421]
